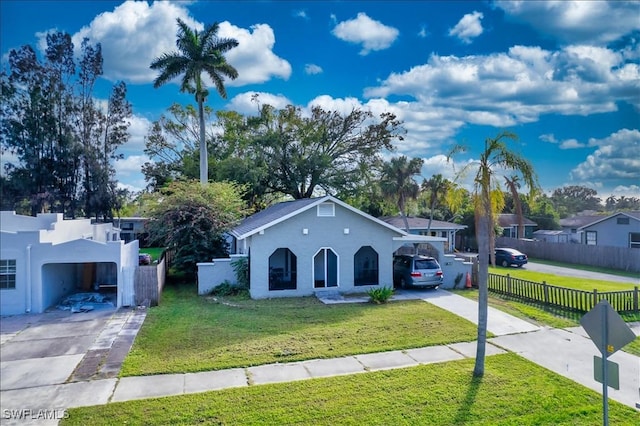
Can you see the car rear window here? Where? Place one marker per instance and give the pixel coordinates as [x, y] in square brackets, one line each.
[426, 264]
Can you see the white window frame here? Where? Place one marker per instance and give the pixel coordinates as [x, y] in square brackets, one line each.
[326, 209]
[634, 243]
[326, 268]
[8, 270]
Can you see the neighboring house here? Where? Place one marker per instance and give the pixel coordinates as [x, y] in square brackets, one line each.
[132, 228]
[552, 236]
[44, 258]
[571, 225]
[302, 247]
[419, 226]
[510, 224]
[618, 230]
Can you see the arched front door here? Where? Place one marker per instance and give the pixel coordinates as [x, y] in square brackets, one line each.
[325, 268]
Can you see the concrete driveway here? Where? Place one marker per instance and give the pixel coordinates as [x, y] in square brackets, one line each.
[61, 347]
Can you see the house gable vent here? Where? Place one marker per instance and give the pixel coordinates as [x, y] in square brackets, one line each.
[326, 209]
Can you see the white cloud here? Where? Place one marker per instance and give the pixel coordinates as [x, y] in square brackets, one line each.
[504, 89]
[468, 28]
[312, 69]
[135, 33]
[571, 144]
[138, 129]
[565, 144]
[301, 14]
[423, 33]
[130, 165]
[617, 158]
[371, 34]
[247, 103]
[254, 58]
[548, 138]
[593, 22]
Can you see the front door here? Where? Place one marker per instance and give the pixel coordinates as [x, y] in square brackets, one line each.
[325, 269]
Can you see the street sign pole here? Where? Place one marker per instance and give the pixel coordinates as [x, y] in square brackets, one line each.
[596, 323]
[605, 372]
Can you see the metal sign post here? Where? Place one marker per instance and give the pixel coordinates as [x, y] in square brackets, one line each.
[609, 332]
[605, 372]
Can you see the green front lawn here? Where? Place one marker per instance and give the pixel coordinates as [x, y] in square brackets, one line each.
[588, 268]
[513, 391]
[188, 333]
[528, 311]
[155, 252]
[561, 281]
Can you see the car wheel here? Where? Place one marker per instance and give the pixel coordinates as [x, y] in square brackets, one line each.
[505, 263]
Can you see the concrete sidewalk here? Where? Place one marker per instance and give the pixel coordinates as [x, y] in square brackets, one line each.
[98, 392]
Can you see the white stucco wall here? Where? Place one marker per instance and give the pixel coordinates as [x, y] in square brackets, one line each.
[212, 274]
[321, 232]
[47, 270]
[451, 267]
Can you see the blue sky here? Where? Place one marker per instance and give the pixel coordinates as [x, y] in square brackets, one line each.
[564, 76]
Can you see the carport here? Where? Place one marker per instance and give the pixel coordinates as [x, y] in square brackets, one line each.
[454, 268]
[62, 279]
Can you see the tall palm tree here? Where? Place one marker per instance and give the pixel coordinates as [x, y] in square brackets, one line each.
[397, 182]
[488, 198]
[513, 184]
[198, 53]
[437, 187]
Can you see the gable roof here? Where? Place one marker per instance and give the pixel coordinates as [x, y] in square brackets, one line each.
[579, 221]
[635, 215]
[420, 223]
[282, 211]
[507, 220]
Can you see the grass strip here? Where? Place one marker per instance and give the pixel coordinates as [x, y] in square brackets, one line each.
[188, 333]
[513, 391]
[585, 284]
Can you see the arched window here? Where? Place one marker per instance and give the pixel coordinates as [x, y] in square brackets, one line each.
[283, 270]
[325, 268]
[365, 267]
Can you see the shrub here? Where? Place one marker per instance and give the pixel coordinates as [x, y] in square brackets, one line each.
[228, 289]
[241, 269]
[380, 294]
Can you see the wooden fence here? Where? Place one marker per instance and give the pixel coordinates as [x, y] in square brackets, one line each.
[150, 280]
[625, 301]
[620, 258]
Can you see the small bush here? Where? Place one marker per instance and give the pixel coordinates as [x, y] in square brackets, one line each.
[228, 289]
[380, 295]
[241, 269]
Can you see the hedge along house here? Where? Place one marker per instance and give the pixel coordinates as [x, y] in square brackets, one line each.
[302, 247]
[44, 258]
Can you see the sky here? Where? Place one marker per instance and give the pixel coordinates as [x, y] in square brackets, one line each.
[562, 75]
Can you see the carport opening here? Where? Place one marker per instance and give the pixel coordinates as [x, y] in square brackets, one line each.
[423, 249]
[59, 280]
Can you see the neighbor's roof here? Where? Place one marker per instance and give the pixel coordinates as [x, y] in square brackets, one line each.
[579, 221]
[420, 223]
[282, 211]
[507, 220]
[633, 215]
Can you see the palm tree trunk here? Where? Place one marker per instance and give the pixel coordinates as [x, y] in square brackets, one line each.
[482, 234]
[204, 166]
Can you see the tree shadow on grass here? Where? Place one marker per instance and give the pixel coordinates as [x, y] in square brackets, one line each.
[464, 413]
